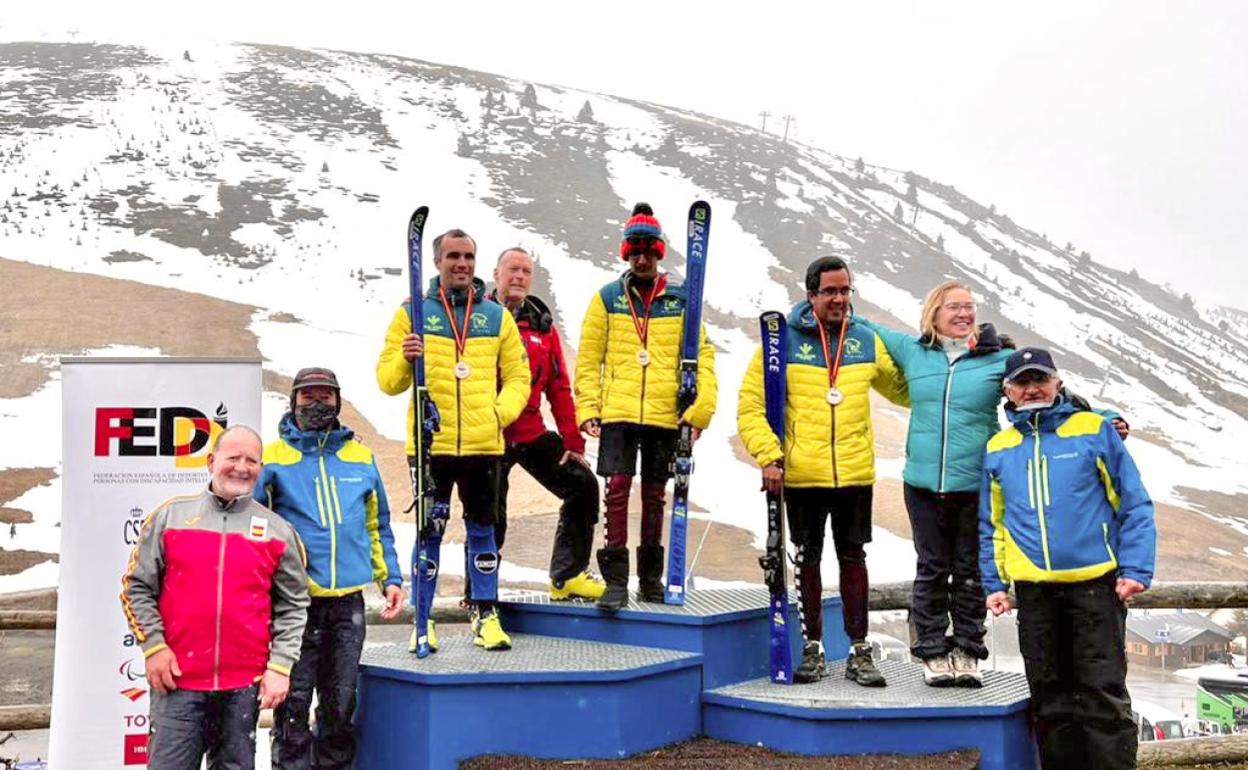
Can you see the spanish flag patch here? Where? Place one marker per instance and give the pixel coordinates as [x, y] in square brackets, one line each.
[259, 529]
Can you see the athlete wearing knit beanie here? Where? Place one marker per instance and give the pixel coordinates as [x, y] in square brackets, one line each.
[642, 231]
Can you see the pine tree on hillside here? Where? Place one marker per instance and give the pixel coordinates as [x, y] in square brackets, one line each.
[586, 115]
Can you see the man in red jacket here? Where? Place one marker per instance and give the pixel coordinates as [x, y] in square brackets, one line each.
[555, 460]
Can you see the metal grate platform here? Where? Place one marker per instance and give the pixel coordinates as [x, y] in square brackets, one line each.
[713, 601]
[905, 690]
[530, 654]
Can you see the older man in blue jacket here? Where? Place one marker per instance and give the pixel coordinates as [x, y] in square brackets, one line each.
[322, 480]
[1064, 516]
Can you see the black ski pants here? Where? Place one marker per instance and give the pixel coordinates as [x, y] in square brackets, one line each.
[573, 483]
[1072, 636]
[946, 580]
[329, 663]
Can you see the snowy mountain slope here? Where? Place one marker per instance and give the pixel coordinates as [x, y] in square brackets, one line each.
[282, 178]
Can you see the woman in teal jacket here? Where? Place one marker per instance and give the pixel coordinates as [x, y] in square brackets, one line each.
[954, 370]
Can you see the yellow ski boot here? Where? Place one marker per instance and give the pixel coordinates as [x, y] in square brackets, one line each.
[487, 631]
[433, 639]
[584, 586]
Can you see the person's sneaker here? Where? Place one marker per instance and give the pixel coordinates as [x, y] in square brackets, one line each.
[584, 586]
[860, 668]
[938, 672]
[812, 666]
[966, 669]
[487, 631]
[433, 639]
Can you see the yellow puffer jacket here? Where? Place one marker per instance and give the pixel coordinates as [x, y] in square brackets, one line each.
[611, 384]
[824, 445]
[474, 410]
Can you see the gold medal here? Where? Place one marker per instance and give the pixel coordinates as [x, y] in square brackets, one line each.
[643, 357]
[835, 396]
[462, 370]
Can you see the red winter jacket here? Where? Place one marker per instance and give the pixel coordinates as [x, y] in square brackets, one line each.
[549, 376]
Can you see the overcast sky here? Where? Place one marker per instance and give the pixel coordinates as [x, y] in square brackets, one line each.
[1119, 126]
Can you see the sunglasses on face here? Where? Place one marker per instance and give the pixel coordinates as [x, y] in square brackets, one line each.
[834, 291]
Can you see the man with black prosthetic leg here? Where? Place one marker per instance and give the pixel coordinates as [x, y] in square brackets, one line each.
[554, 460]
[826, 468]
[626, 383]
[478, 377]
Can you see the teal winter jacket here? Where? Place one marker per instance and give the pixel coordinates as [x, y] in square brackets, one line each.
[953, 407]
[326, 484]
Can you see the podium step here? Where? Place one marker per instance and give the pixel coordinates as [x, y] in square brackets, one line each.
[836, 716]
[547, 697]
[728, 627]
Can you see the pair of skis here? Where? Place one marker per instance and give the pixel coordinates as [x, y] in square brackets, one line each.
[687, 392]
[431, 516]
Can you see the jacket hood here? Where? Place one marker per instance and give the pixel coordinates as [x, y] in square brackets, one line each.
[457, 297]
[311, 441]
[802, 318]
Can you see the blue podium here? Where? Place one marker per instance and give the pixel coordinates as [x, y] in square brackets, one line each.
[582, 684]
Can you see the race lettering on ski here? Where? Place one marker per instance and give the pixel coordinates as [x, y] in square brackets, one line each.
[774, 332]
[687, 392]
[425, 423]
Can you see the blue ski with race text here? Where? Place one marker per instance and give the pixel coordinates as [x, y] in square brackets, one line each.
[425, 423]
[774, 332]
[695, 269]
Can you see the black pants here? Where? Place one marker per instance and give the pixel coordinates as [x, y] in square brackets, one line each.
[1072, 638]
[572, 483]
[808, 510]
[187, 724]
[476, 478]
[946, 580]
[329, 663]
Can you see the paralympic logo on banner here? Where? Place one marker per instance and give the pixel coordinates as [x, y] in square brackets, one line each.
[180, 432]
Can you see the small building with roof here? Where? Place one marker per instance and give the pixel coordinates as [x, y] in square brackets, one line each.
[1175, 640]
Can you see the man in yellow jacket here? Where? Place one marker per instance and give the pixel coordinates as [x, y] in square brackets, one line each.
[478, 375]
[627, 372]
[826, 467]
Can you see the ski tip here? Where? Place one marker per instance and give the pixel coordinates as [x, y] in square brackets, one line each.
[700, 209]
[418, 218]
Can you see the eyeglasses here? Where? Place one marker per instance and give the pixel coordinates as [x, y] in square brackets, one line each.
[959, 307]
[1030, 377]
[835, 291]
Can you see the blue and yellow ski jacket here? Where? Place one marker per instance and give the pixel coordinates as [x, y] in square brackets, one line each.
[1061, 501]
[327, 486]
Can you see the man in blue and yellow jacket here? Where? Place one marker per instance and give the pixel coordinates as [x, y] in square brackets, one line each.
[478, 377]
[627, 372]
[826, 467]
[1065, 518]
[323, 481]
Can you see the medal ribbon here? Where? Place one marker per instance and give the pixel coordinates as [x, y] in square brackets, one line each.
[642, 325]
[833, 367]
[461, 335]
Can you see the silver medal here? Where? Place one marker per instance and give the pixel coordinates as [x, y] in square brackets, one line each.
[643, 357]
[462, 370]
[835, 396]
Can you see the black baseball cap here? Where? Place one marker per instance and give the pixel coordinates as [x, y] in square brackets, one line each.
[314, 376]
[1028, 359]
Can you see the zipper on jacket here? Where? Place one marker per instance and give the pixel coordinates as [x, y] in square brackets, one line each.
[1041, 479]
[333, 537]
[641, 418]
[459, 411]
[944, 424]
[836, 476]
[216, 648]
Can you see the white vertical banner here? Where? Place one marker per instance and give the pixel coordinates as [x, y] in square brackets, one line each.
[135, 433]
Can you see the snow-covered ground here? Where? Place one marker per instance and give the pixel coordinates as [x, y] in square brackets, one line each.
[342, 320]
